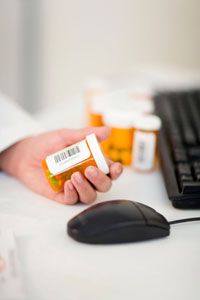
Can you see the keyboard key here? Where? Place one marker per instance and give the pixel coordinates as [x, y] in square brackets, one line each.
[197, 170]
[186, 178]
[183, 169]
[190, 187]
[196, 164]
[194, 153]
[180, 155]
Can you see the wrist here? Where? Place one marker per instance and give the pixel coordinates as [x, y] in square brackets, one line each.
[6, 160]
[10, 159]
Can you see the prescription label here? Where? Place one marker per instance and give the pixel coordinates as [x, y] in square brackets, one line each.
[144, 150]
[62, 160]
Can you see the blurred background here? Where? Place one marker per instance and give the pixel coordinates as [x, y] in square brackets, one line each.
[49, 48]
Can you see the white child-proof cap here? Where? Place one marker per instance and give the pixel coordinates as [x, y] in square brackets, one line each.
[141, 91]
[147, 122]
[99, 104]
[120, 118]
[145, 106]
[97, 153]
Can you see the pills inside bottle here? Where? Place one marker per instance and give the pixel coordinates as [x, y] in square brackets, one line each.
[121, 137]
[145, 136]
[60, 166]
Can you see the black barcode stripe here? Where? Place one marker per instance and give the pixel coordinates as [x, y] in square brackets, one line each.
[67, 153]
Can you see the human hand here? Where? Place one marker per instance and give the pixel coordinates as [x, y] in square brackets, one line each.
[23, 160]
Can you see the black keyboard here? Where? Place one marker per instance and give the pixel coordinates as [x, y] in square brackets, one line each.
[179, 145]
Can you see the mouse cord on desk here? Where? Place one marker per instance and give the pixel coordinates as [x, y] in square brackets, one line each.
[184, 220]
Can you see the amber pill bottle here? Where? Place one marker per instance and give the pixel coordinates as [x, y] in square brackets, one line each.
[60, 166]
[145, 142]
[92, 90]
[95, 116]
[121, 137]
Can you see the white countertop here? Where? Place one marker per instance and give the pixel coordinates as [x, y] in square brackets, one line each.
[56, 267]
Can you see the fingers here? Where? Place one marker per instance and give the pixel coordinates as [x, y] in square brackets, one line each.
[80, 188]
[86, 192]
[70, 194]
[116, 169]
[101, 181]
[76, 189]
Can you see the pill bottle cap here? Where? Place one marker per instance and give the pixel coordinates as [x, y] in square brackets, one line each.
[120, 118]
[99, 104]
[143, 105]
[97, 153]
[141, 91]
[147, 122]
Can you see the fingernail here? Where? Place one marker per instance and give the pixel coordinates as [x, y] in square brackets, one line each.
[70, 185]
[78, 177]
[118, 169]
[92, 171]
[106, 132]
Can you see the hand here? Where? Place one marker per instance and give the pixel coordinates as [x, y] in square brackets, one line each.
[23, 160]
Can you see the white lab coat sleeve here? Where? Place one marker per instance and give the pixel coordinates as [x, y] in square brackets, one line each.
[15, 123]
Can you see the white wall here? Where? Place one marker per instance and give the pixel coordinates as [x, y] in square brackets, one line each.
[11, 48]
[64, 42]
[84, 38]
[21, 51]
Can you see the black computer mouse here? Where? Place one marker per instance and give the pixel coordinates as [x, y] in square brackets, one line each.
[118, 221]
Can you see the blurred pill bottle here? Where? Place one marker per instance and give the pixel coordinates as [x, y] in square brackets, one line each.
[121, 137]
[145, 141]
[93, 89]
[141, 91]
[144, 106]
[98, 105]
[60, 166]
[141, 99]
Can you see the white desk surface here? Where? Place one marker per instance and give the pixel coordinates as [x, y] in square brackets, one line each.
[55, 267]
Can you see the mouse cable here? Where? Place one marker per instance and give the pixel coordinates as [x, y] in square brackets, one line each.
[184, 220]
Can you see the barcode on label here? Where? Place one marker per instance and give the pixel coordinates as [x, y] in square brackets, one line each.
[65, 154]
[141, 149]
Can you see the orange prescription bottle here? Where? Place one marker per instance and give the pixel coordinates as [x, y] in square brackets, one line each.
[100, 104]
[121, 137]
[145, 137]
[97, 107]
[59, 166]
[93, 88]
